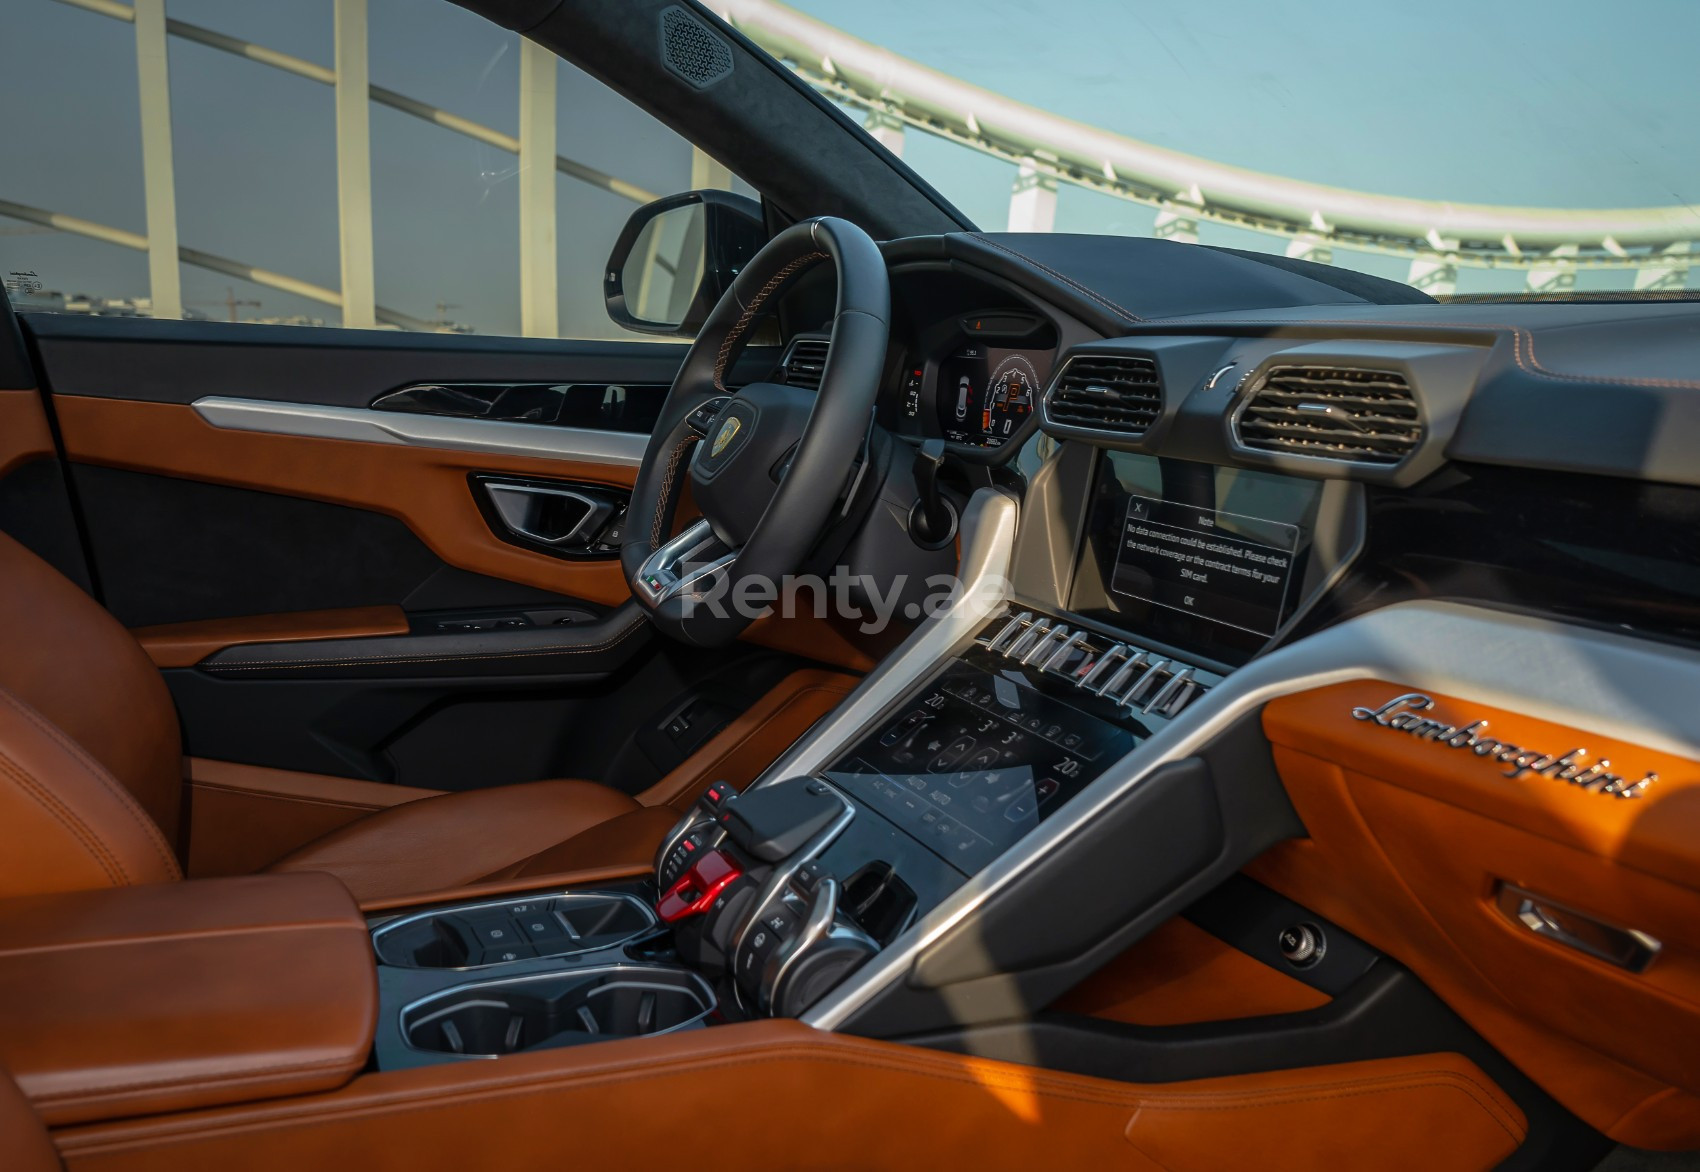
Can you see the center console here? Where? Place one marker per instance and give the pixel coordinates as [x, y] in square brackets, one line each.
[883, 856]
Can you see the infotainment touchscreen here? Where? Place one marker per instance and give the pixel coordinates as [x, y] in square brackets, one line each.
[1202, 558]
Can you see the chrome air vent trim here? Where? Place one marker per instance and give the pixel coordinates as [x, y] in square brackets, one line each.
[1354, 415]
[804, 363]
[1119, 395]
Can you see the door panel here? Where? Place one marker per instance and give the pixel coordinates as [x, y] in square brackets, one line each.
[238, 489]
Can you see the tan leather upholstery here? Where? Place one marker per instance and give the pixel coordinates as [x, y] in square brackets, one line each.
[67, 823]
[186, 644]
[244, 818]
[1180, 974]
[74, 664]
[92, 786]
[461, 838]
[829, 1101]
[23, 1136]
[177, 996]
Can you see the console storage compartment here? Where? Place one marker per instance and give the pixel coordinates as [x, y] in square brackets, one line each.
[175, 996]
[547, 1010]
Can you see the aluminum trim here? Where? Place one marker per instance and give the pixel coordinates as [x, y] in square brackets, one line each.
[988, 544]
[1595, 681]
[362, 425]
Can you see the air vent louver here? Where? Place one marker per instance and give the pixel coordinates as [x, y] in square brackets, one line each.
[1333, 412]
[805, 362]
[1116, 393]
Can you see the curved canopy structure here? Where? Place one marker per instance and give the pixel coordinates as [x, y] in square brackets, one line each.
[878, 80]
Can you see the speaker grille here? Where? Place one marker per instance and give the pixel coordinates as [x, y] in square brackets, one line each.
[692, 50]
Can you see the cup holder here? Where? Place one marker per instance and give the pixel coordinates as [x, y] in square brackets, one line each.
[475, 935]
[549, 1010]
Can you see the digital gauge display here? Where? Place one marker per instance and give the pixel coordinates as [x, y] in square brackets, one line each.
[985, 394]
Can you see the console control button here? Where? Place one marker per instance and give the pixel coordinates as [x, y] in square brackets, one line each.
[541, 927]
[1302, 945]
[493, 932]
[510, 953]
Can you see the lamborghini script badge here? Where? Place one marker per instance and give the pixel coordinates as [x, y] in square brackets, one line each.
[727, 431]
[1405, 714]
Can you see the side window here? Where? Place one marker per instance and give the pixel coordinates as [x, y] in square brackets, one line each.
[391, 164]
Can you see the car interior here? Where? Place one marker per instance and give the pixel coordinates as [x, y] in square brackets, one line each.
[1237, 712]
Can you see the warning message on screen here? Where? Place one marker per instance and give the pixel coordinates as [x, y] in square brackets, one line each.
[1193, 560]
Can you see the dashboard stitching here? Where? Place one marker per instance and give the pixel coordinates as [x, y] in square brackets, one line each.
[1065, 279]
[773, 283]
[1532, 364]
[663, 500]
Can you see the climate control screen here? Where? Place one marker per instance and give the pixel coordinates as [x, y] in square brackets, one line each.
[976, 761]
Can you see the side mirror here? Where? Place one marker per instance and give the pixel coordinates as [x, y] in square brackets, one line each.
[676, 256]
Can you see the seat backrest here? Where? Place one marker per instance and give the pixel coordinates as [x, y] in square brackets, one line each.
[91, 766]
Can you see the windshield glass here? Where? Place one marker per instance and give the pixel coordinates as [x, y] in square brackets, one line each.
[1529, 148]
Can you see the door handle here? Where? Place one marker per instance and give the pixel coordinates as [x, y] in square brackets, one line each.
[1624, 947]
[549, 515]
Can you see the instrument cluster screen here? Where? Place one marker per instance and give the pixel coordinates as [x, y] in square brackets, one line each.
[985, 394]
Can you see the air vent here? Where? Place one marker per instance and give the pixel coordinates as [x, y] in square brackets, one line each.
[805, 362]
[1332, 412]
[1117, 393]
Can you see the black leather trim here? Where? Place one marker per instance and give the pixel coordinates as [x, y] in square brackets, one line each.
[582, 652]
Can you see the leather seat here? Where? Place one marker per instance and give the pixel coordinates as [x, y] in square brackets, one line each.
[91, 776]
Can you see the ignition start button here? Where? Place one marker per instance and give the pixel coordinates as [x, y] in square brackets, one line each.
[1302, 945]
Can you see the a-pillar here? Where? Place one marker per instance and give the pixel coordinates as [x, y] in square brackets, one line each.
[1033, 199]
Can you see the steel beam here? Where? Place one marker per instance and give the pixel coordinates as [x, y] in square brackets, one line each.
[539, 307]
[886, 129]
[1033, 199]
[1555, 273]
[159, 182]
[1436, 273]
[708, 173]
[1177, 222]
[354, 167]
[1312, 246]
[1666, 269]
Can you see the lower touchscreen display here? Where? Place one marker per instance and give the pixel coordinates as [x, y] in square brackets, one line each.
[976, 761]
[1202, 558]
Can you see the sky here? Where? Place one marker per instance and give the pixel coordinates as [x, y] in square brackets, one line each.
[1569, 103]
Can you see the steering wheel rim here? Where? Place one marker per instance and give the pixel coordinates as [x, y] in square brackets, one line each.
[760, 522]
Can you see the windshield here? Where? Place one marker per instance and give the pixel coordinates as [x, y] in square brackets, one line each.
[1542, 148]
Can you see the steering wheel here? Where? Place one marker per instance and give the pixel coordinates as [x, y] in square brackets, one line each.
[768, 463]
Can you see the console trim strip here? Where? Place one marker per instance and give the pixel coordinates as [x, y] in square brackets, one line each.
[1636, 689]
[363, 425]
